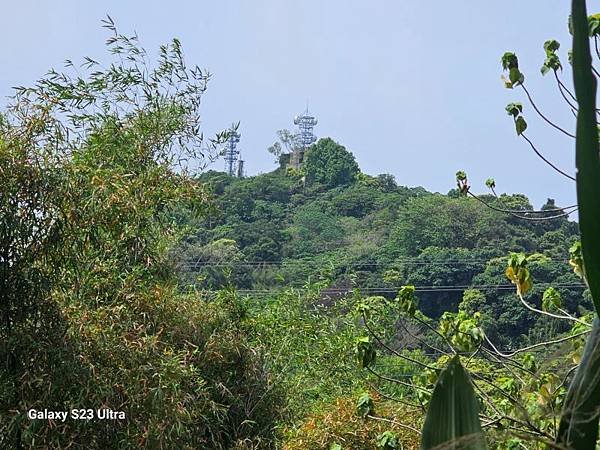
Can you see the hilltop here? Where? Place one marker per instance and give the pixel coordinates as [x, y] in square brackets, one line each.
[368, 232]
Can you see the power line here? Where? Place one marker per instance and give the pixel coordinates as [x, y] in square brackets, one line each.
[392, 290]
[407, 261]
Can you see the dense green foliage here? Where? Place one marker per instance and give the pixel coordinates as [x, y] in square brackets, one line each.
[329, 163]
[91, 314]
[304, 309]
[375, 236]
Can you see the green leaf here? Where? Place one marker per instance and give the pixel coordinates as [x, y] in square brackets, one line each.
[387, 441]
[518, 273]
[578, 427]
[579, 422]
[365, 405]
[552, 62]
[551, 300]
[462, 182]
[407, 300]
[576, 259]
[514, 109]
[594, 25]
[520, 125]
[515, 76]
[335, 446]
[587, 159]
[509, 61]
[452, 419]
[551, 45]
[490, 183]
[528, 361]
[544, 69]
[365, 352]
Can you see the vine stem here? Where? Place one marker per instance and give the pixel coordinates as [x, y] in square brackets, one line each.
[551, 164]
[549, 314]
[568, 210]
[548, 121]
[533, 346]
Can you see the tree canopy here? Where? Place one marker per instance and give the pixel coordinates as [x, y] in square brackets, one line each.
[329, 163]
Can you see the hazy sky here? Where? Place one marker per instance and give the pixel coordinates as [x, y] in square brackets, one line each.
[412, 88]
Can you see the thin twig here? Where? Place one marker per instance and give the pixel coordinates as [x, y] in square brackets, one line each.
[408, 427]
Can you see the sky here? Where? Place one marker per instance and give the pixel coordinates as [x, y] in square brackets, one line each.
[411, 88]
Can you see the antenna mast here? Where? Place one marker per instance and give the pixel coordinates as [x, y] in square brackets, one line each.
[306, 137]
[231, 153]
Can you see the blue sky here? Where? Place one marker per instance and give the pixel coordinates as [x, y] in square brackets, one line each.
[412, 88]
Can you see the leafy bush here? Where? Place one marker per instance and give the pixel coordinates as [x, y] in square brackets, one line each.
[338, 423]
[92, 317]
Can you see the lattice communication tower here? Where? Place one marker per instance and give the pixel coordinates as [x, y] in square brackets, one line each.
[306, 123]
[231, 152]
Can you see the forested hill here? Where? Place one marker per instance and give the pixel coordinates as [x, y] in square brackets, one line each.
[284, 228]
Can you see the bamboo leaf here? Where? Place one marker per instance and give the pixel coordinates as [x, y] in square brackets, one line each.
[452, 420]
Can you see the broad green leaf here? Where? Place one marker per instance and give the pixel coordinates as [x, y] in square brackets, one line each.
[387, 441]
[551, 45]
[544, 69]
[520, 125]
[407, 300]
[515, 76]
[576, 259]
[461, 175]
[594, 24]
[365, 405]
[579, 422]
[587, 157]
[365, 352]
[509, 61]
[514, 109]
[452, 420]
[551, 300]
[518, 273]
[552, 62]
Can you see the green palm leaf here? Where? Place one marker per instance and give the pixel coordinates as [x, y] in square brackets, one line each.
[452, 420]
[579, 422]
